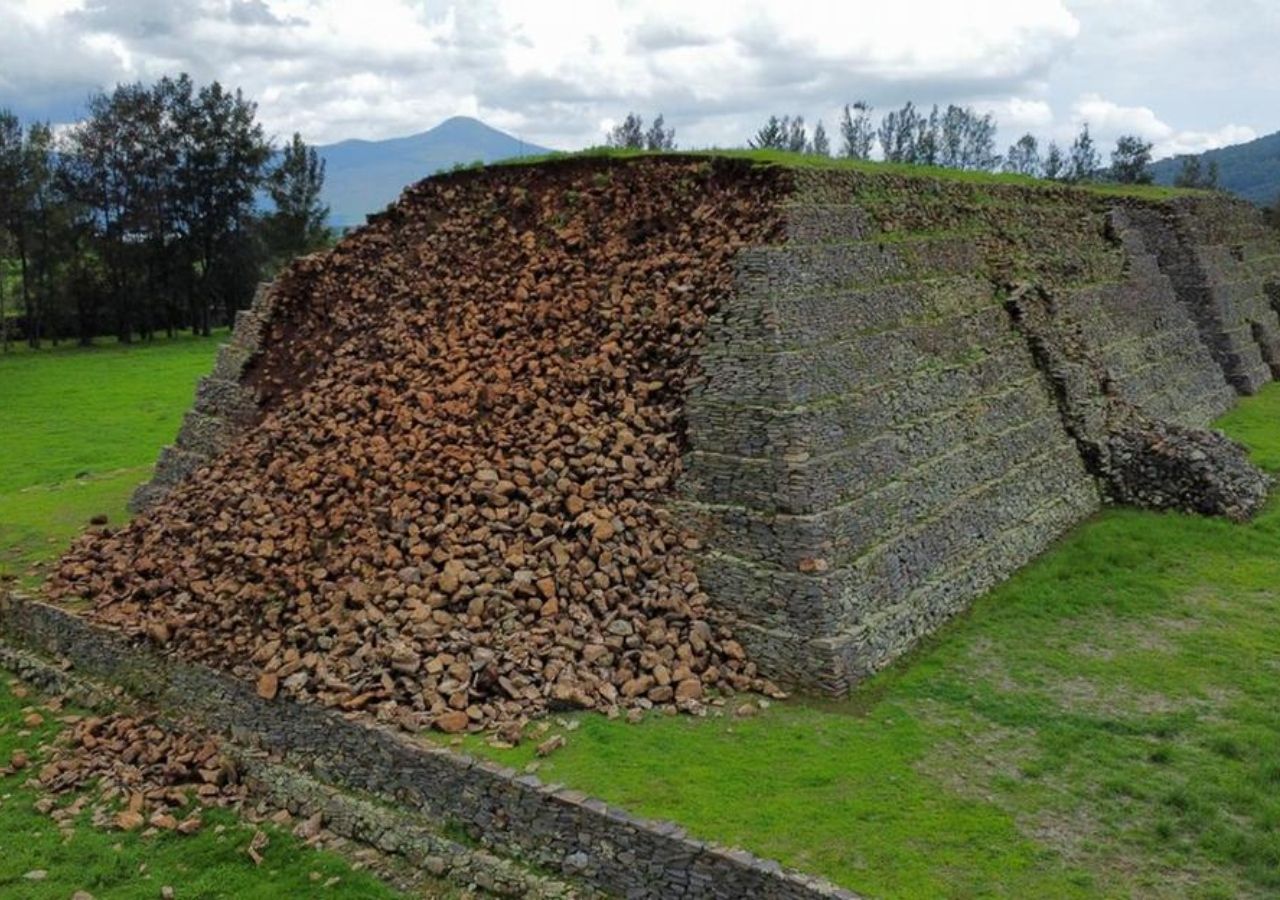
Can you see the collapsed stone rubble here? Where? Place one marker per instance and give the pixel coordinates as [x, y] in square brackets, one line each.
[451, 509]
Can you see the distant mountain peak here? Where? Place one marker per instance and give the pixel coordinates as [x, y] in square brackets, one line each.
[363, 176]
[457, 121]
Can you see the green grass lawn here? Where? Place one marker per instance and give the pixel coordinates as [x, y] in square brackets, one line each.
[1106, 724]
[79, 430]
[132, 866]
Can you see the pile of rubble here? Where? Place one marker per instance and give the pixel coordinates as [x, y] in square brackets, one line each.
[1139, 460]
[1161, 465]
[145, 773]
[452, 511]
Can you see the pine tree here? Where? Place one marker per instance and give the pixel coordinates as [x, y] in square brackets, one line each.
[771, 136]
[1082, 160]
[46, 226]
[1211, 176]
[1024, 157]
[1189, 175]
[627, 134]
[856, 131]
[927, 143]
[821, 146]
[12, 199]
[221, 167]
[1054, 164]
[297, 225]
[897, 133]
[1130, 159]
[659, 137]
[797, 137]
[979, 153]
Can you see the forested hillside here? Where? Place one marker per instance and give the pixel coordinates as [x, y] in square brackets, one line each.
[1251, 170]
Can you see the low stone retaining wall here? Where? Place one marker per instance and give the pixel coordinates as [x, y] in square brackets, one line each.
[390, 830]
[513, 815]
[397, 832]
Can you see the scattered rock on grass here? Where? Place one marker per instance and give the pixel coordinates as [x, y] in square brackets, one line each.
[549, 746]
[158, 771]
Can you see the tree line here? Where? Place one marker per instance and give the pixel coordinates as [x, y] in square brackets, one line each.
[630, 134]
[160, 211]
[956, 137]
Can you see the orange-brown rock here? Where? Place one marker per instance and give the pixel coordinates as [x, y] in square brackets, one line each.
[268, 685]
[129, 820]
[159, 769]
[452, 722]
[471, 421]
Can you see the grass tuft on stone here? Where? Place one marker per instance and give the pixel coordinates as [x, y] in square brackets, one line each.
[869, 167]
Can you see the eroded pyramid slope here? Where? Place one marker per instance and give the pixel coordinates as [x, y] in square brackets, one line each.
[449, 507]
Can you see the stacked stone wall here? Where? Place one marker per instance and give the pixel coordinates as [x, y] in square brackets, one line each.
[1225, 266]
[224, 406]
[874, 443]
[869, 429]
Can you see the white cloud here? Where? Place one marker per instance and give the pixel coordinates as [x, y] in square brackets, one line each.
[1017, 115]
[1199, 141]
[41, 12]
[1108, 120]
[556, 71]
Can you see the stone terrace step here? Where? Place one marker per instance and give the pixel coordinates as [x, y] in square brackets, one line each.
[805, 268]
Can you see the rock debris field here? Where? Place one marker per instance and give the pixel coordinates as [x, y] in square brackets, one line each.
[451, 511]
[144, 773]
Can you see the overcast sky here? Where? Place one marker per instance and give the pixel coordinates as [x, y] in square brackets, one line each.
[1185, 74]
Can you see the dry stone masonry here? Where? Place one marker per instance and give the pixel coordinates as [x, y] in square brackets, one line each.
[1224, 265]
[616, 433]
[224, 406]
[928, 382]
